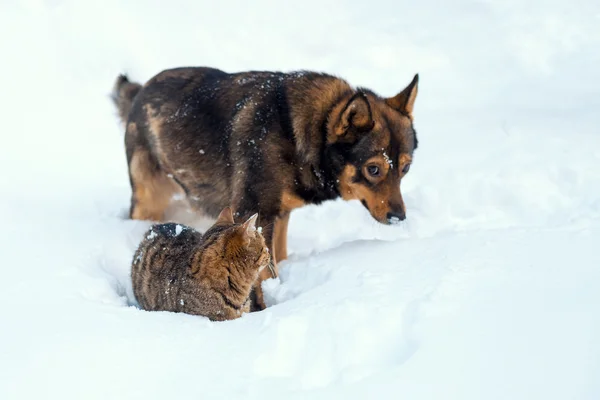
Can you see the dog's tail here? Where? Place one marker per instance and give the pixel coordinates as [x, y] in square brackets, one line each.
[123, 94]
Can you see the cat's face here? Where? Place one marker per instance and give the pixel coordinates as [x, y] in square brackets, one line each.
[258, 248]
[238, 241]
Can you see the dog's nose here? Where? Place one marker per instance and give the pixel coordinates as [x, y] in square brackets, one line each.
[395, 217]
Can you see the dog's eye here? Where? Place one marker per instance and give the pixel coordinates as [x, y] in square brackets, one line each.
[406, 168]
[373, 170]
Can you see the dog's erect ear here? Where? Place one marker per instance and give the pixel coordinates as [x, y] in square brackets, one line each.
[225, 217]
[356, 114]
[405, 100]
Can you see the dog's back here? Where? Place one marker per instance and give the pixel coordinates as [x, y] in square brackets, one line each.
[206, 129]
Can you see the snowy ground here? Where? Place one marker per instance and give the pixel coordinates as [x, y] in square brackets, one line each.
[490, 290]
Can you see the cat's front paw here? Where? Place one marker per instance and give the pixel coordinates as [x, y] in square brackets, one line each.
[257, 302]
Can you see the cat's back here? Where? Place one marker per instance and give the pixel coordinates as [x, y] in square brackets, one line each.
[161, 260]
[165, 241]
[177, 234]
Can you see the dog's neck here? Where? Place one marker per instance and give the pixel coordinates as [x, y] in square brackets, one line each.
[317, 183]
[318, 164]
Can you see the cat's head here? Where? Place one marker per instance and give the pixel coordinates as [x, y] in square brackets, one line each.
[238, 241]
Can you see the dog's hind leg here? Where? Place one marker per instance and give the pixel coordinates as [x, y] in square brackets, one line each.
[152, 189]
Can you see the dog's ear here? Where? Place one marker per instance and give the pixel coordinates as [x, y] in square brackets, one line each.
[405, 100]
[225, 217]
[356, 114]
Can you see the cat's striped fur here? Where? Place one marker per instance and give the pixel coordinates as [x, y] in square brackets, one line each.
[175, 268]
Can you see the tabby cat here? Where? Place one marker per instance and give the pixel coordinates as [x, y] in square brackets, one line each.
[176, 268]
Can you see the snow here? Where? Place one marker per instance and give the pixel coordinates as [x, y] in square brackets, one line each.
[387, 159]
[178, 229]
[488, 290]
[394, 220]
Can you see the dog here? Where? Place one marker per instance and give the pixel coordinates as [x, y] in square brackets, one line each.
[266, 142]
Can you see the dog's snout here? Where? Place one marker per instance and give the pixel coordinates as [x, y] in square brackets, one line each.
[395, 217]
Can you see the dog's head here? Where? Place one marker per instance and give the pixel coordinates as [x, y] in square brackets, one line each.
[371, 142]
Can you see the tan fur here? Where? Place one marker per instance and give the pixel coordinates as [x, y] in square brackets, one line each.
[153, 190]
[357, 113]
[378, 202]
[289, 202]
[404, 159]
[155, 120]
[280, 237]
[405, 100]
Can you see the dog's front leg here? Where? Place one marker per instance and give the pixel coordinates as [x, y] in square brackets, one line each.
[280, 238]
[275, 234]
[268, 230]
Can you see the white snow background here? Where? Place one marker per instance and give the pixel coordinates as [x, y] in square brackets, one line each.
[489, 290]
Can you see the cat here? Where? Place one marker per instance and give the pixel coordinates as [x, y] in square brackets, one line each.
[176, 268]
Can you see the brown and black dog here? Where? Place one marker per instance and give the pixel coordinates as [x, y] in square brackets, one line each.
[265, 142]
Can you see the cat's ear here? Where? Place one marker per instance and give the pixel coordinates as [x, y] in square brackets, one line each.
[225, 217]
[249, 227]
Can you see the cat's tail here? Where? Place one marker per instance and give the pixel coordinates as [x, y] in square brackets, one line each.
[123, 95]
